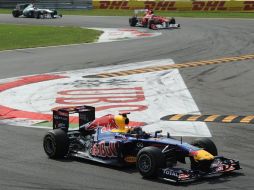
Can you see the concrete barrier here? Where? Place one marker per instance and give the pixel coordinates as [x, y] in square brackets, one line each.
[231, 6]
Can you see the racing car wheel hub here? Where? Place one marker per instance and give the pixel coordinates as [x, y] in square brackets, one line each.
[145, 163]
[49, 146]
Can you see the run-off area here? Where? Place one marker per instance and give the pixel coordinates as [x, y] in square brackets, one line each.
[147, 96]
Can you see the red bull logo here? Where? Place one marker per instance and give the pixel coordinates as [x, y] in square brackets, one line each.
[105, 149]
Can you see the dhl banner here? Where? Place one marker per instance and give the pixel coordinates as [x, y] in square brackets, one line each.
[160, 5]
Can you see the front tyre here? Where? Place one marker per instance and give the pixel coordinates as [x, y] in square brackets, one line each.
[53, 14]
[149, 160]
[209, 146]
[56, 143]
[151, 24]
[172, 21]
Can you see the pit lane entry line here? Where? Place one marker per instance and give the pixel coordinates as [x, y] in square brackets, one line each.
[248, 119]
[175, 66]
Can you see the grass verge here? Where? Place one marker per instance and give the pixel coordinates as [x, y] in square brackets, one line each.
[50, 124]
[28, 36]
[100, 12]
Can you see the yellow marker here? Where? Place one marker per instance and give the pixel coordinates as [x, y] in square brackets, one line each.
[176, 117]
[193, 118]
[247, 119]
[211, 118]
[229, 118]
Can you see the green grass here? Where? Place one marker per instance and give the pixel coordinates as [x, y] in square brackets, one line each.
[99, 12]
[50, 124]
[27, 36]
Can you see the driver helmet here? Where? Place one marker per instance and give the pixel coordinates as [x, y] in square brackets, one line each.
[121, 122]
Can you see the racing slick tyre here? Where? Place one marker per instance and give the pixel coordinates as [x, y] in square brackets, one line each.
[56, 143]
[37, 14]
[149, 160]
[133, 21]
[172, 20]
[150, 24]
[15, 13]
[52, 15]
[209, 146]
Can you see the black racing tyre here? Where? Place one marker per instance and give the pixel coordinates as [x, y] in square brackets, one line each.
[149, 160]
[172, 20]
[56, 143]
[31, 14]
[37, 14]
[133, 21]
[53, 14]
[15, 13]
[207, 144]
[150, 23]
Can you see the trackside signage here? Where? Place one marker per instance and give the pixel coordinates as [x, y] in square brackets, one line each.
[148, 96]
[246, 6]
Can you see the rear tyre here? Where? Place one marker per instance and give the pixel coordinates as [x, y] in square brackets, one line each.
[15, 13]
[149, 160]
[37, 15]
[56, 143]
[133, 21]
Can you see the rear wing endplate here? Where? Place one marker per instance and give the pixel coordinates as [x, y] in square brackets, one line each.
[61, 116]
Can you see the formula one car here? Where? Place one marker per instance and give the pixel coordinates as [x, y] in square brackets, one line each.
[109, 140]
[30, 11]
[152, 21]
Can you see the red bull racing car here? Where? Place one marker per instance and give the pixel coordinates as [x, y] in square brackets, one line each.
[151, 21]
[110, 140]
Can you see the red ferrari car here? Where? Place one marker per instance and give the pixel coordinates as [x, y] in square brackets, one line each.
[152, 21]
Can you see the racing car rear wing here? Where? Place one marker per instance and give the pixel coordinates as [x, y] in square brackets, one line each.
[61, 116]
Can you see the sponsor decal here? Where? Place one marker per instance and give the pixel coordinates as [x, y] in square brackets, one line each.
[110, 97]
[170, 173]
[176, 5]
[114, 5]
[140, 145]
[161, 5]
[148, 96]
[209, 6]
[130, 159]
[248, 6]
[105, 149]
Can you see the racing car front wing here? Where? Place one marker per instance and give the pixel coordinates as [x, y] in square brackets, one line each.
[219, 166]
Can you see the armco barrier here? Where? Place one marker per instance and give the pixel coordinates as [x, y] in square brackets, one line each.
[237, 6]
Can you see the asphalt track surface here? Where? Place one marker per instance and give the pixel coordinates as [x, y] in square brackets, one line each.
[217, 89]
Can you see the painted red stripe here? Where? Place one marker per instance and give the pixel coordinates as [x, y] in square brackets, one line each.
[10, 113]
[28, 80]
[7, 113]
